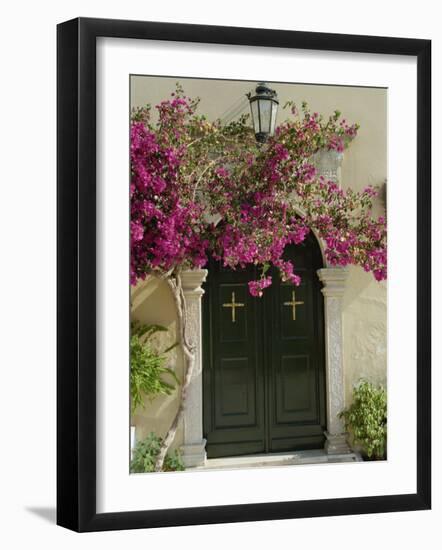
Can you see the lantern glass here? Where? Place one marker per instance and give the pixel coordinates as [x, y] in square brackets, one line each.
[255, 116]
[265, 114]
[273, 118]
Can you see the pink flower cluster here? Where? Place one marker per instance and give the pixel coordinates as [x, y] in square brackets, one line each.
[178, 188]
[256, 287]
[165, 231]
[343, 220]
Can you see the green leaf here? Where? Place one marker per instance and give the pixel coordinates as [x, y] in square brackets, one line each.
[366, 418]
[145, 455]
[147, 366]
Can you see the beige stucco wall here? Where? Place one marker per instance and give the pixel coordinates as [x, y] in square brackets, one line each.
[151, 303]
[365, 162]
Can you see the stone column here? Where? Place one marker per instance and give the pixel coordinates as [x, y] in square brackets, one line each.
[334, 280]
[194, 447]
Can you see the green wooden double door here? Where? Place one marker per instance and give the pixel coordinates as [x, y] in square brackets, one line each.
[263, 360]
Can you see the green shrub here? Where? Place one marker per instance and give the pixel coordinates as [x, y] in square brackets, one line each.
[366, 418]
[147, 366]
[145, 455]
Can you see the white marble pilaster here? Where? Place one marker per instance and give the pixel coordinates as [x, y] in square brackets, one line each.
[334, 280]
[194, 447]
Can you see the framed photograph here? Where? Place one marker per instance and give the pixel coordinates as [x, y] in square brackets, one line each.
[243, 274]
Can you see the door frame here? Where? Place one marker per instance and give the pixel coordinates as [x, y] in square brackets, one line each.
[267, 431]
[334, 283]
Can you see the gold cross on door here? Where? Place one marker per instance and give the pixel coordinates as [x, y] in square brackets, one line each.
[293, 305]
[233, 305]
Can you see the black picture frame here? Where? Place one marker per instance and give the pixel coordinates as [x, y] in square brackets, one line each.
[76, 273]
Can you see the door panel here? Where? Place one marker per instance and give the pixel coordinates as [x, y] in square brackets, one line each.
[236, 331]
[294, 387]
[295, 356]
[300, 327]
[233, 382]
[263, 360]
[235, 393]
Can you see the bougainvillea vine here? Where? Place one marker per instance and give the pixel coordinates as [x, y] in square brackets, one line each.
[200, 189]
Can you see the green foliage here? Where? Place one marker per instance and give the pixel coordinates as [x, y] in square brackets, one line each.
[147, 366]
[145, 455]
[141, 114]
[367, 419]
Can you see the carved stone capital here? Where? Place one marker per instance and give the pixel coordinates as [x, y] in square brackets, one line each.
[334, 279]
[192, 279]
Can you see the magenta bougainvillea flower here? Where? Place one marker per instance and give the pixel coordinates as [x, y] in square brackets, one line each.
[200, 189]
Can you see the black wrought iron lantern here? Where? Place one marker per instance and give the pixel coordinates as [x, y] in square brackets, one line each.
[264, 106]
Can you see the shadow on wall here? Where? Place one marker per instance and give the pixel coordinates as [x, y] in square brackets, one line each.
[152, 303]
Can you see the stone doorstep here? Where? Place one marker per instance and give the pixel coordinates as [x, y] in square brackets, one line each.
[277, 459]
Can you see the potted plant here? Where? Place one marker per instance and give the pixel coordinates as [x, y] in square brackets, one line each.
[366, 419]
